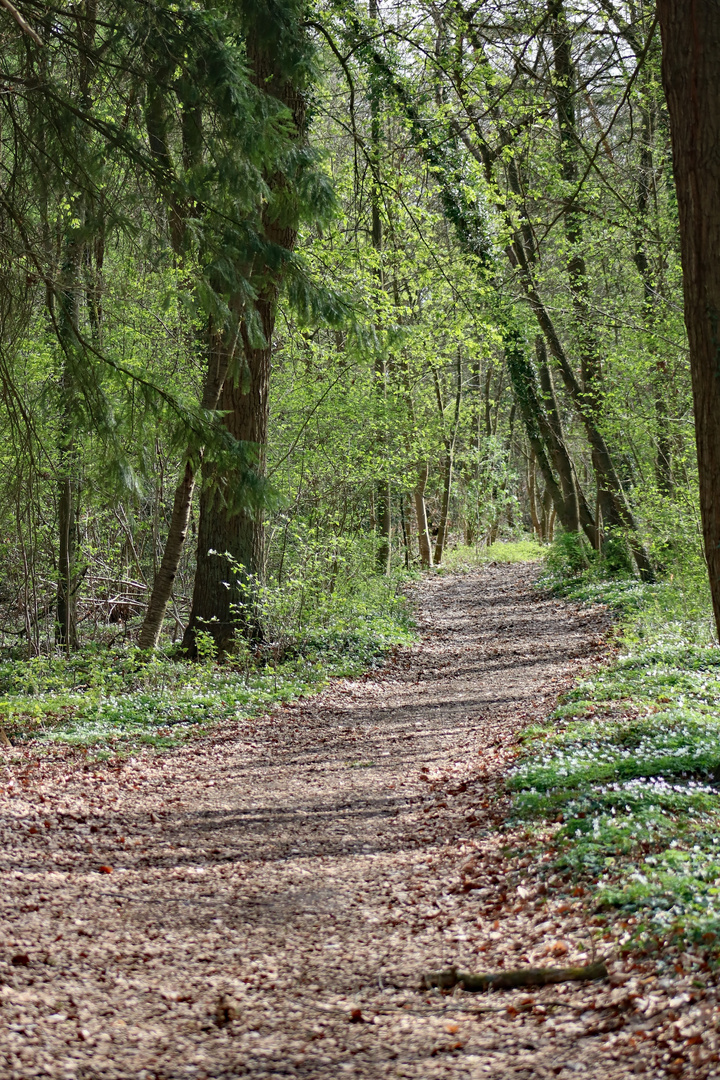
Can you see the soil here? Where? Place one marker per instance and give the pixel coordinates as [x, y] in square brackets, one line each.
[264, 901]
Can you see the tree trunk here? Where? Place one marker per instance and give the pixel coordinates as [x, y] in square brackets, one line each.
[221, 357]
[424, 545]
[68, 324]
[488, 408]
[691, 76]
[537, 427]
[404, 508]
[447, 475]
[611, 497]
[223, 602]
[423, 472]
[66, 624]
[522, 254]
[383, 515]
[218, 358]
[615, 509]
[536, 523]
[663, 455]
[449, 461]
[577, 512]
[68, 458]
[383, 520]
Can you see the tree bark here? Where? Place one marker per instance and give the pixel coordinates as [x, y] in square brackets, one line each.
[424, 545]
[221, 603]
[221, 357]
[615, 508]
[577, 512]
[423, 473]
[383, 513]
[522, 378]
[690, 32]
[68, 459]
[68, 324]
[449, 462]
[218, 359]
[536, 522]
[447, 475]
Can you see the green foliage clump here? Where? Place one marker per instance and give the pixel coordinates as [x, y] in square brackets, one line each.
[624, 773]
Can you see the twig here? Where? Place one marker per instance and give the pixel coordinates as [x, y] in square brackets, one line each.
[21, 21]
[511, 980]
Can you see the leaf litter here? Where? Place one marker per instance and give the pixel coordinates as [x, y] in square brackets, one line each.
[257, 904]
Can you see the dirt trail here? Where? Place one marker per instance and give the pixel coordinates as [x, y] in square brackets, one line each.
[271, 881]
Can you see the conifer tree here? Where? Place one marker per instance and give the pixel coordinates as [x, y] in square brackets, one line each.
[279, 59]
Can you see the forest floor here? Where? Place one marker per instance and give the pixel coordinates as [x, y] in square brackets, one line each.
[262, 902]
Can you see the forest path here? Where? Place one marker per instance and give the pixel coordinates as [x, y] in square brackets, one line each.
[274, 877]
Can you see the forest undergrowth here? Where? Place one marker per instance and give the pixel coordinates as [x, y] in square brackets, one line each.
[112, 701]
[620, 784]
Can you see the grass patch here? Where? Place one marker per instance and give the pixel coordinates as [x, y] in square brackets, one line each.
[465, 558]
[623, 782]
[111, 702]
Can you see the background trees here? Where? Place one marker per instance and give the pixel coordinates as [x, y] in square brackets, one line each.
[293, 297]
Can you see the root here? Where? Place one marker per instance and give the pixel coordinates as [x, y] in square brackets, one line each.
[510, 980]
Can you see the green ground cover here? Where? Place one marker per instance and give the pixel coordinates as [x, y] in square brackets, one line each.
[464, 558]
[111, 701]
[623, 781]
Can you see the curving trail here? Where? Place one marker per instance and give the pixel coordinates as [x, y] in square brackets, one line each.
[278, 888]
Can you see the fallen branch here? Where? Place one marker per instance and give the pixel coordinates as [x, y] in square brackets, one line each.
[510, 980]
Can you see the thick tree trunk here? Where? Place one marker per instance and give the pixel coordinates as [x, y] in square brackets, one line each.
[691, 76]
[69, 575]
[222, 602]
[218, 357]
